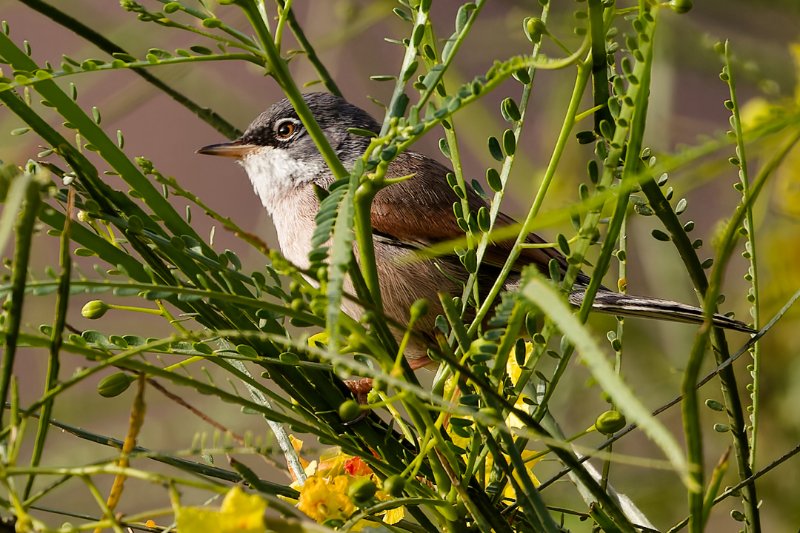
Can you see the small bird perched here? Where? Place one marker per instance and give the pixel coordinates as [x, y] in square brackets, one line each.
[283, 165]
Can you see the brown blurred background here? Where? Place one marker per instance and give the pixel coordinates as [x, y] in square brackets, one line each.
[349, 35]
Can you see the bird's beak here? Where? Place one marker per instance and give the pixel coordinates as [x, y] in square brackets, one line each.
[237, 149]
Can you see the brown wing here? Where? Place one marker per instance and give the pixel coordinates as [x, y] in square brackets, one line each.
[419, 212]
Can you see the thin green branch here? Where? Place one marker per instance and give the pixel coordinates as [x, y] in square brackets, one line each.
[108, 46]
[56, 338]
[119, 64]
[311, 53]
[750, 248]
[31, 185]
[527, 225]
[279, 70]
[690, 406]
[600, 91]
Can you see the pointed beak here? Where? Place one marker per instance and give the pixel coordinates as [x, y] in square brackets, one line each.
[237, 149]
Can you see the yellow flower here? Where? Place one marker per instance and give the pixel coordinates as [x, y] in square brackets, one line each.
[325, 500]
[324, 495]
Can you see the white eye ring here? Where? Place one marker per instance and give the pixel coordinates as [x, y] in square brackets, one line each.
[286, 128]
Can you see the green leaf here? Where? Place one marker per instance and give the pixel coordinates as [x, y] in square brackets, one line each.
[340, 255]
[201, 50]
[494, 148]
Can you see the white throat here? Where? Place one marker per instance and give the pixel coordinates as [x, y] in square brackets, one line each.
[275, 174]
[284, 185]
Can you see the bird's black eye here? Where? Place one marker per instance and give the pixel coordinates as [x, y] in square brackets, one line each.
[285, 129]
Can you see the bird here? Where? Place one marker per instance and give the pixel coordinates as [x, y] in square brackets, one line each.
[285, 168]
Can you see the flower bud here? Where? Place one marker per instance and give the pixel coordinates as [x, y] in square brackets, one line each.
[94, 309]
[534, 29]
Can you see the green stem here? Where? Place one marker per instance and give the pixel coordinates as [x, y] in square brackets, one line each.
[750, 247]
[311, 53]
[243, 38]
[279, 70]
[564, 135]
[734, 408]
[56, 338]
[459, 39]
[136, 66]
[749, 493]
[508, 163]
[600, 90]
[409, 57]
[630, 130]
[19, 271]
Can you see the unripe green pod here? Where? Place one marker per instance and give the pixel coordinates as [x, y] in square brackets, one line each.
[610, 422]
[361, 491]
[681, 6]
[349, 410]
[115, 384]
[394, 485]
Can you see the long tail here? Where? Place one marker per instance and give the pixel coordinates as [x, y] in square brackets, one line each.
[626, 305]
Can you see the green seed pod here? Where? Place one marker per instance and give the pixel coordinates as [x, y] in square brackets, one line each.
[610, 422]
[114, 385]
[349, 410]
[394, 485]
[212, 22]
[94, 309]
[681, 6]
[361, 491]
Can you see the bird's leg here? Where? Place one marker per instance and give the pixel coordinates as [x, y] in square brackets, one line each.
[361, 387]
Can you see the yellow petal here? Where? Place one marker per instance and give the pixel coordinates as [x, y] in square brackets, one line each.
[393, 516]
[239, 512]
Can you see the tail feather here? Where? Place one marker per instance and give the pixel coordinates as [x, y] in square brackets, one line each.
[626, 305]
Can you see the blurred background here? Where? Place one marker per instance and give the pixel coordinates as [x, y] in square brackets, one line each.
[686, 107]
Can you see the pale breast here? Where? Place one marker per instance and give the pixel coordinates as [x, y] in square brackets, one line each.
[294, 222]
